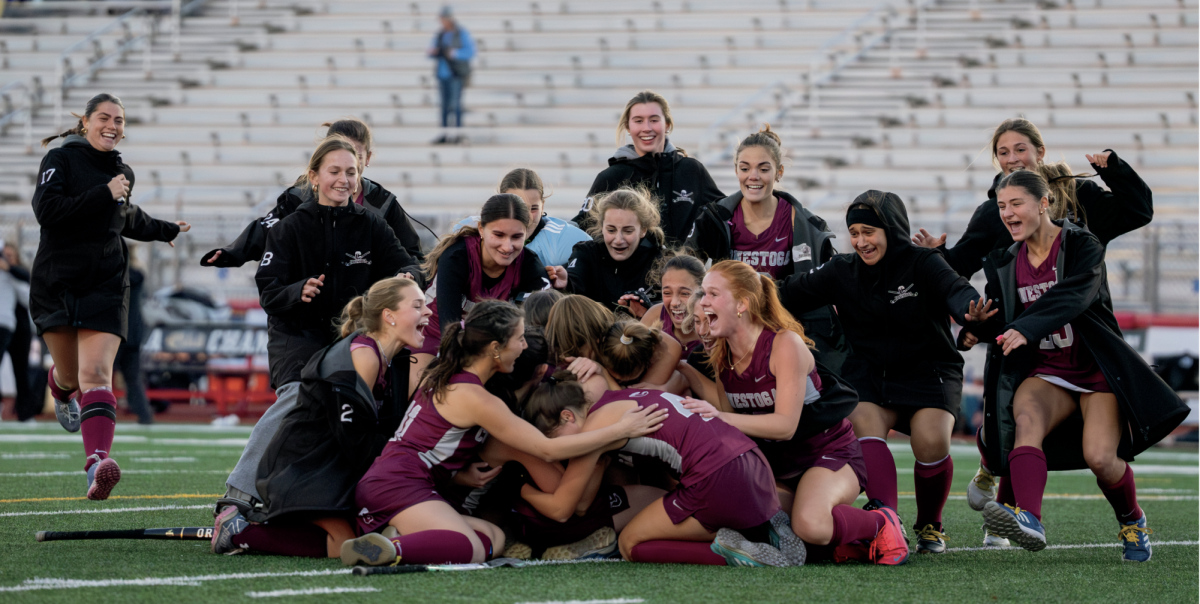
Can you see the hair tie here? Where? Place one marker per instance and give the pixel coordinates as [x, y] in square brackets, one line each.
[626, 340]
[552, 380]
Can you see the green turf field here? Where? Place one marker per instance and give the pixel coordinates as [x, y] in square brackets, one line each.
[172, 474]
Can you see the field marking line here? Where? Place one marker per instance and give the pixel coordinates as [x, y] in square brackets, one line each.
[123, 439]
[957, 450]
[109, 510]
[163, 459]
[123, 472]
[45, 584]
[1069, 496]
[111, 497]
[613, 601]
[312, 591]
[53, 427]
[1076, 546]
[35, 456]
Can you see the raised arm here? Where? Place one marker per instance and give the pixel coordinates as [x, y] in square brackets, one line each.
[984, 228]
[1128, 205]
[802, 292]
[140, 226]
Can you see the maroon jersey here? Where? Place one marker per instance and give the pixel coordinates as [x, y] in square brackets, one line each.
[380, 385]
[435, 441]
[1059, 354]
[692, 446]
[668, 327]
[753, 392]
[769, 251]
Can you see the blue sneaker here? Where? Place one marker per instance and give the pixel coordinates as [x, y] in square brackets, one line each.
[1136, 539]
[1015, 524]
[738, 551]
[228, 524]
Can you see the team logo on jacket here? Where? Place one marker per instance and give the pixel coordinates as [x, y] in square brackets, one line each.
[684, 196]
[366, 516]
[901, 293]
[801, 252]
[357, 258]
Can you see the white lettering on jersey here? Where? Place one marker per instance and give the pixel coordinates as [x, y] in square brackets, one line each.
[409, 418]
[760, 258]
[46, 176]
[752, 400]
[1029, 293]
[267, 258]
[1054, 340]
[347, 411]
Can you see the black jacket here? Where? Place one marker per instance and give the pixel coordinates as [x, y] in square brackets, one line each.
[250, 244]
[452, 288]
[1108, 215]
[682, 185]
[351, 246]
[593, 273]
[1081, 298]
[896, 313]
[81, 270]
[812, 245]
[330, 439]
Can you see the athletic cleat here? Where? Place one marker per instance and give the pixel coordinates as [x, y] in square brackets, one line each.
[981, 489]
[371, 549]
[600, 544]
[931, 539]
[991, 539]
[67, 412]
[783, 538]
[1136, 539]
[518, 550]
[102, 477]
[229, 524]
[877, 504]
[737, 551]
[889, 547]
[1015, 524]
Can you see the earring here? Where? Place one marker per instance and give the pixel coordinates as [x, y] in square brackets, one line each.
[739, 315]
[496, 356]
[85, 130]
[393, 323]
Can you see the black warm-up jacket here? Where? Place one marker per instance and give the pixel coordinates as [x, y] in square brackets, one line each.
[897, 313]
[250, 244]
[1107, 214]
[81, 270]
[351, 246]
[592, 272]
[681, 184]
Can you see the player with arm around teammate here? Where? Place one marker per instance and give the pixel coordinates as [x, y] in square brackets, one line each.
[447, 423]
[1062, 386]
[352, 396]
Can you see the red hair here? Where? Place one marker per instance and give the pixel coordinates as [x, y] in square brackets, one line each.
[763, 305]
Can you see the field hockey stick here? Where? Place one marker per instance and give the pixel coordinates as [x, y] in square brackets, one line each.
[187, 533]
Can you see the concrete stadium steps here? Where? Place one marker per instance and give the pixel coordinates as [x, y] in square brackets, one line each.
[874, 78]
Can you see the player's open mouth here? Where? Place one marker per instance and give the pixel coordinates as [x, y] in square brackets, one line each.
[754, 187]
[678, 315]
[867, 253]
[1014, 226]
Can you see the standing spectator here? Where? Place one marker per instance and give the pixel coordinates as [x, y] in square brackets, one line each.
[453, 50]
[129, 355]
[27, 405]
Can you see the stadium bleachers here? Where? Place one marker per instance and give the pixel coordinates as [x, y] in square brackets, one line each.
[908, 94]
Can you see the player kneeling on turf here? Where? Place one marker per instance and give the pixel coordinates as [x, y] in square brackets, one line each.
[352, 396]
[447, 424]
[1081, 397]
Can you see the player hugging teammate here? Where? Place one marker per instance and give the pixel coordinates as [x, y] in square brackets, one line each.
[733, 419]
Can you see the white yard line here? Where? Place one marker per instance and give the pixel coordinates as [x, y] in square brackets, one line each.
[1075, 546]
[45, 584]
[53, 427]
[35, 456]
[614, 601]
[154, 508]
[164, 459]
[964, 451]
[313, 591]
[80, 473]
[124, 439]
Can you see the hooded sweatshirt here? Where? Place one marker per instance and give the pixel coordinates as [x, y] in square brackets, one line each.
[80, 272]
[252, 241]
[895, 313]
[1107, 214]
[681, 184]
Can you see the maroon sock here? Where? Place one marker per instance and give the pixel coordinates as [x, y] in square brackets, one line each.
[300, 540]
[1005, 493]
[57, 391]
[852, 524]
[1122, 496]
[99, 421]
[487, 545]
[933, 487]
[435, 547]
[1027, 471]
[881, 471]
[675, 552]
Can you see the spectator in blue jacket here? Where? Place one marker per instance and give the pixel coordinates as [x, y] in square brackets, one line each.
[453, 50]
[552, 238]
